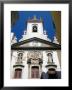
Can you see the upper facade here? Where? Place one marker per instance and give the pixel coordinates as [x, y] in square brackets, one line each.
[35, 31]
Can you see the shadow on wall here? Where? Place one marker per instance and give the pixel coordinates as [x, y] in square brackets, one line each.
[57, 75]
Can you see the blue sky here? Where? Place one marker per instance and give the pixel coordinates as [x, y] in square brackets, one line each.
[21, 24]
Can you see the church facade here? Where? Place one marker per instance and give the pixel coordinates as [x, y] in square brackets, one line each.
[35, 56]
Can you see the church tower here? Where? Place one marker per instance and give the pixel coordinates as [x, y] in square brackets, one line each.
[35, 29]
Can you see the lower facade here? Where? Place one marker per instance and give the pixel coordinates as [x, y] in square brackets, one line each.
[35, 64]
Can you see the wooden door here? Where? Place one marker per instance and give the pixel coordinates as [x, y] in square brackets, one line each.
[18, 73]
[35, 72]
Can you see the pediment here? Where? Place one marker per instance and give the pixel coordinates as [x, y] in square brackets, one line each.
[35, 42]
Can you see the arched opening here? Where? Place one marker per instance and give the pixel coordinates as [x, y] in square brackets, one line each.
[52, 73]
[18, 73]
[34, 28]
[35, 72]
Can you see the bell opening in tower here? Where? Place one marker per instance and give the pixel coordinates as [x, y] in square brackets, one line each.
[34, 28]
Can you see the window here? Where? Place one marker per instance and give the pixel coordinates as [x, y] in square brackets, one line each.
[17, 73]
[34, 28]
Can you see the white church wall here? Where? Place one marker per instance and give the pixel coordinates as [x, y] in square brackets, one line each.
[39, 26]
[59, 56]
[13, 38]
[13, 60]
[38, 34]
[45, 60]
[25, 69]
[56, 60]
[35, 35]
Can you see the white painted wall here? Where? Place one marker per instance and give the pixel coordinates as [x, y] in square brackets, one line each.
[45, 60]
[38, 34]
[39, 26]
[13, 38]
[56, 60]
[13, 60]
[25, 69]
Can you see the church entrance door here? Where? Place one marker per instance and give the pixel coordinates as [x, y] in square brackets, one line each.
[35, 72]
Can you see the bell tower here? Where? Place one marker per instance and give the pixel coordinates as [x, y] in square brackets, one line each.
[34, 26]
[34, 29]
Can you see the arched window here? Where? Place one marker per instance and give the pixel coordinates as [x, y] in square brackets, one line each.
[17, 73]
[34, 29]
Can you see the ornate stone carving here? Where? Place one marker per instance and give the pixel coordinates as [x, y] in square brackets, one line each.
[34, 61]
[34, 55]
